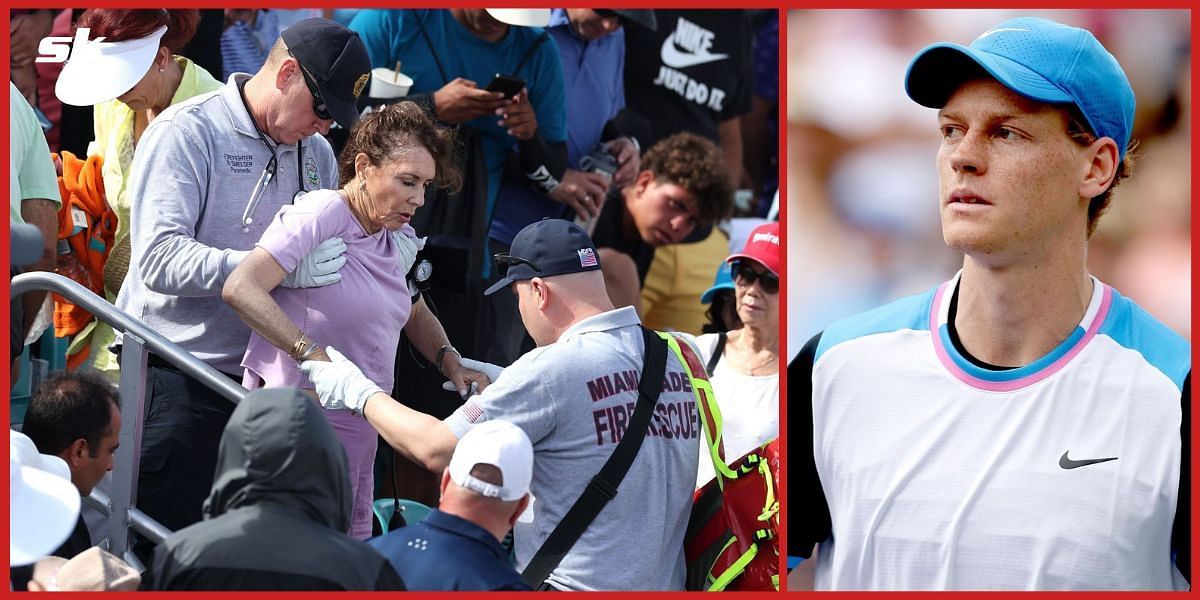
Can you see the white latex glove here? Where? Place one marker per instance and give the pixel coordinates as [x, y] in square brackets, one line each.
[340, 384]
[491, 371]
[320, 267]
[409, 247]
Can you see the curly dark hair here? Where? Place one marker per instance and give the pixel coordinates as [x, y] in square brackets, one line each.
[696, 165]
[1081, 133]
[384, 133]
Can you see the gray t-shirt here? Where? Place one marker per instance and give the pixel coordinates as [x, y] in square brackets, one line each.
[573, 399]
[192, 177]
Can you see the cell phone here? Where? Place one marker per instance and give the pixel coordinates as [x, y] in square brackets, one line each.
[509, 85]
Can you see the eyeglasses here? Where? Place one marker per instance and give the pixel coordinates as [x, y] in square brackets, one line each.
[319, 106]
[768, 280]
[504, 261]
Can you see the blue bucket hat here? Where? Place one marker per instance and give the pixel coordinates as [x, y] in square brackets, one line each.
[723, 281]
[1039, 59]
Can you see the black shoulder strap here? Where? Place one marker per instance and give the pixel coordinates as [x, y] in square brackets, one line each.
[432, 51]
[717, 352]
[528, 53]
[603, 487]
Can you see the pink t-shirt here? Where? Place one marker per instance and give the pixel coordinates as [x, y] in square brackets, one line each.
[361, 315]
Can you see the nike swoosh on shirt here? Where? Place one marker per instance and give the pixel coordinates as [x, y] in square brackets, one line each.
[1067, 463]
[677, 59]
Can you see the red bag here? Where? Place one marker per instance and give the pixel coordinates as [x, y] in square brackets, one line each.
[731, 541]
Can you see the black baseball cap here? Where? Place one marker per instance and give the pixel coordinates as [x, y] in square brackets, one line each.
[544, 249]
[639, 16]
[336, 60]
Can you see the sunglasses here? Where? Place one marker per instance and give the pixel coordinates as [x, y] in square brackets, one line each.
[768, 280]
[504, 261]
[319, 106]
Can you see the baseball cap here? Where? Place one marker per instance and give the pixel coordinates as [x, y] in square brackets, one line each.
[723, 281]
[336, 60]
[43, 510]
[1039, 59]
[100, 71]
[92, 570]
[762, 246]
[521, 17]
[502, 445]
[638, 16]
[544, 249]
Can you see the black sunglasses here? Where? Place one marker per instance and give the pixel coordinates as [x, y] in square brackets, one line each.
[768, 280]
[319, 106]
[504, 261]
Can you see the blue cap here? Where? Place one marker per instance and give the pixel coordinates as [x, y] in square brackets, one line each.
[723, 281]
[544, 249]
[1039, 59]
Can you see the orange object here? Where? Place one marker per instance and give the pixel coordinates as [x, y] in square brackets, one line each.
[84, 206]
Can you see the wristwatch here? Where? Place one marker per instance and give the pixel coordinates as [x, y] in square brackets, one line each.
[442, 354]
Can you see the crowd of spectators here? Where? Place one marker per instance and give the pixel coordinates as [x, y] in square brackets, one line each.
[232, 179]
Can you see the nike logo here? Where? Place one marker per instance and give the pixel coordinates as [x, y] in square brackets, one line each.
[998, 30]
[1067, 463]
[675, 58]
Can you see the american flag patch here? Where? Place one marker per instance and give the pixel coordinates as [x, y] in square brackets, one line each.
[472, 412]
[587, 257]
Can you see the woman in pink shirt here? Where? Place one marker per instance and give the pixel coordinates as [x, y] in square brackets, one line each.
[392, 155]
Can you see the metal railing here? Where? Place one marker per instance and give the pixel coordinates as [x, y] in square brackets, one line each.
[139, 341]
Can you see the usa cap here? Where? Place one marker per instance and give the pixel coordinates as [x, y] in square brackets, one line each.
[544, 249]
[499, 444]
[1039, 59]
[337, 61]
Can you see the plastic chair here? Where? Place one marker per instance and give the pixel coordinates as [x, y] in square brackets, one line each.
[413, 511]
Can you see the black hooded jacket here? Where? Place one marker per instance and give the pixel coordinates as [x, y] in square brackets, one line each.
[278, 511]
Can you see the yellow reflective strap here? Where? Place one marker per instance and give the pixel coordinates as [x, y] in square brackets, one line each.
[770, 505]
[706, 405]
[737, 568]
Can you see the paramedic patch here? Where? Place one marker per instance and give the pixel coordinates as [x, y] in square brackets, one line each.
[240, 163]
[311, 173]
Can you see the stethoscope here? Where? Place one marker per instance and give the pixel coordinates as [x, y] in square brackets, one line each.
[260, 188]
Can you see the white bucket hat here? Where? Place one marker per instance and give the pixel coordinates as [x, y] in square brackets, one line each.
[502, 445]
[43, 510]
[100, 71]
[521, 17]
[23, 448]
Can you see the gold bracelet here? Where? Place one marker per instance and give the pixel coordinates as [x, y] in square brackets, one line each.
[299, 346]
[309, 351]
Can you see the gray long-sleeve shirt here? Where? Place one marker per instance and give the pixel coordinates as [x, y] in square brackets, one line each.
[193, 174]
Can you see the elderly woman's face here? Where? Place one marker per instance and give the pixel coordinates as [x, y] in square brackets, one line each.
[148, 92]
[755, 306]
[396, 188]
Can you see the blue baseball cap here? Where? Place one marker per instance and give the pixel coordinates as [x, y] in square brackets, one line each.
[1039, 59]
[723, 281]
[544, 249]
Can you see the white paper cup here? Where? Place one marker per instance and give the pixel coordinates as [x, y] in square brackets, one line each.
[386, 83]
